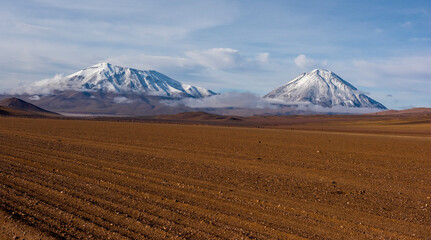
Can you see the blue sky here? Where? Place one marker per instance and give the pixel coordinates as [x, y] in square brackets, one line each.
[381, 47]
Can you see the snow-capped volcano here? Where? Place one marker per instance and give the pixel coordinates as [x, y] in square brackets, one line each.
[106, 77]
[324, 88]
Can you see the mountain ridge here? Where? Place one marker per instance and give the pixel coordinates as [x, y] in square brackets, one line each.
[106, 77]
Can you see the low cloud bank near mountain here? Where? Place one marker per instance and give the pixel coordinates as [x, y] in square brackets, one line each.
[253, 101]
[224, 100]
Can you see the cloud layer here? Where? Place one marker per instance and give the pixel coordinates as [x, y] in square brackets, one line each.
[225, 100]
[45, 86]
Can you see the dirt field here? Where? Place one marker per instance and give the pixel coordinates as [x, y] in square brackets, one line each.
[75, 179]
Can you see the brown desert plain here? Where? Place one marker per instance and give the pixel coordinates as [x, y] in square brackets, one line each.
[199, 176]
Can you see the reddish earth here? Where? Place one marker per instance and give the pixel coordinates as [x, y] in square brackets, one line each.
[335, 177]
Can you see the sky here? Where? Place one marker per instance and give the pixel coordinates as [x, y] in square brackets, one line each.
[382, 47]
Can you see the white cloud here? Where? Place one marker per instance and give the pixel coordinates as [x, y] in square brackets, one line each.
[45, 86]
[305, 62]
[122, 100]
[34, 98]
[263, 57]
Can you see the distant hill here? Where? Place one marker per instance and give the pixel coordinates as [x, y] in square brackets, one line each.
[17, 107]
[5, 111]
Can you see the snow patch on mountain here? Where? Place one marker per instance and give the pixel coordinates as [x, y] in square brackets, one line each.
[106, 77]
[323, 88]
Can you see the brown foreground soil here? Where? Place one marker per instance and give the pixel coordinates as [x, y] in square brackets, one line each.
[77, 179]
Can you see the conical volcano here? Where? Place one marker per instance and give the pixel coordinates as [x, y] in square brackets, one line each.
[324, 88]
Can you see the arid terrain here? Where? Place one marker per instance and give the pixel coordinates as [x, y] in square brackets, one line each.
[310, 177]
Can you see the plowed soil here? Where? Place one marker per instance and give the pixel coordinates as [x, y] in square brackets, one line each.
[77, 179]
